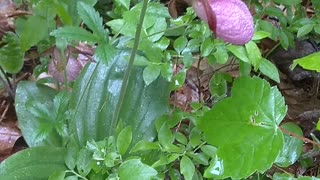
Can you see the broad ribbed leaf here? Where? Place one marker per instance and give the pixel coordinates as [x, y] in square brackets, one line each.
[95, 96]
[244, 128]
[11, 55]
[34, 163]
[30, 92]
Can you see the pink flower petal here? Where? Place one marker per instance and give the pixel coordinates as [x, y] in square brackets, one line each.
[233, 20]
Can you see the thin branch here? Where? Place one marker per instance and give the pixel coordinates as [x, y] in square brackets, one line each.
[306, 140]
[125, 81]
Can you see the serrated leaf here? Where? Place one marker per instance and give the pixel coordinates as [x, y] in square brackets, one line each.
[28, 36]
[11, 55]
[304, 30]
[269, 69]
[135, 169]
[33, 163]
[254, 54]
[187, 168]
[293, 147]
[309, 62]
[124, 3]
[91, 18]
[30, 92]
[151, 73]
[124, 140]
[239, 52]
[104, 53]
[73, 33]
[243, 131]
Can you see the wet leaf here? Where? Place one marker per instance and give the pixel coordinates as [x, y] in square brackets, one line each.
[33, 163]
[292, 148]
[243, 131]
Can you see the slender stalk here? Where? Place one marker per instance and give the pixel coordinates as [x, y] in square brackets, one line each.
[125, 81]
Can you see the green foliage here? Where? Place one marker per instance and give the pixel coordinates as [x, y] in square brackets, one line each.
[292, 148]
[33, 163]
[11, 57]
[310, 62]
[232, 126]
[138, 138]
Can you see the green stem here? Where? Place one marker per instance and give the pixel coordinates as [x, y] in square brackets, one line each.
[125, 81]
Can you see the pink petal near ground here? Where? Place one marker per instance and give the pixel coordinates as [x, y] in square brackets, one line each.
[234, 22]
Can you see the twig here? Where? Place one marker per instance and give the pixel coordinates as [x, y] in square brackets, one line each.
[306, 140]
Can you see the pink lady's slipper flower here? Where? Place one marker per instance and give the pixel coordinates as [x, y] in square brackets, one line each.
[231, 20]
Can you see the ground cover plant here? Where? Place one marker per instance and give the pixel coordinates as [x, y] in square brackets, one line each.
[126, 89]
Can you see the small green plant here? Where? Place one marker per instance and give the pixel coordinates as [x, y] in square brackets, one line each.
[114, 121]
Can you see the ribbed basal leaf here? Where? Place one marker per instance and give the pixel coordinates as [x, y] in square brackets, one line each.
[244, 128]
[95, 96]
[33, 163]
[30, 93]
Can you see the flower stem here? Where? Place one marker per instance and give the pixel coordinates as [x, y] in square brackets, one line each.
[125, 81]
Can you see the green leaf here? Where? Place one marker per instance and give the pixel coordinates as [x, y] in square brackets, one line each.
[91, 18]
[28, 36]
[30, 92]
[284, 40]
[258, 35]
[58, 175]
[180, 43]
[151, 73]
[254, 54]
[292, 148]
[95, 95]
[304, 30]
[288, 2]
[145, 145]
[187, 168]
[239, 52]
[243, 131]
[318, 125]
[221, 54]
[11, 55]
[73, 33]
[206, 47]
[285, 176]
[124, 139]
[134, 169]
[124, 3]
[269, 69]
[105, 53]
[33, 163]
[310, 62]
